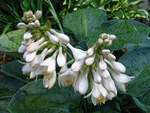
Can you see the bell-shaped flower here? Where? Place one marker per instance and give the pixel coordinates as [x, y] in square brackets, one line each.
[120, 79]
[39, 58]
[29, 56]
[109, 84]
[27, 35]
[102, 64]
[77, 53]
[49, 79]
[26, 68]
[90, 51]
[33, 46]
[90, 60]
[61, 59]
[62, 37]
[38, 14]
[21, 25]
[50, 63]
[54, 39]
[22, 49]
[96, 76]
[102, 90]
[67, 77]
[95, 92]
[81, 84]
[77, 65]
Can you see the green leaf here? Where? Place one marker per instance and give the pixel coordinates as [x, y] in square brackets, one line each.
[126, 32]
[34, 97]
[83, 21]
[141, 105]
[131, 47]
[3, 105]
[11, 41]
[8, 86]
[14, 69]
[137, 64]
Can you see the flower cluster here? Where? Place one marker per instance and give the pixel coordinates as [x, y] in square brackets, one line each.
[96, 66]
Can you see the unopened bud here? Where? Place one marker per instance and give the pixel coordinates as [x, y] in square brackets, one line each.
[38, 14]
[62, 37]
[112, 37]
[21, 25]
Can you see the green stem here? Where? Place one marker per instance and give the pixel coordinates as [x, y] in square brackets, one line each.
[52, 10]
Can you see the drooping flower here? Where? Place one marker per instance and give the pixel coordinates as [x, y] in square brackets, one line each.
[77, 53]
[62, 37]
[61, 59]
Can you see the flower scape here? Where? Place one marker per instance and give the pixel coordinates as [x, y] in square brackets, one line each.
[43, 47]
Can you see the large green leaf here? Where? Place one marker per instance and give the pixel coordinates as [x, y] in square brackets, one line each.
[8, 86]
[3, 104]
[137, 64]
[131, 47]
[34, 98]
[11, 41]
[83, 21]
[126, 32]
[14, 69]
[135, 61]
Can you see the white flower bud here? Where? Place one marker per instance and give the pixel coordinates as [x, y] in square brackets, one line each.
[100, 41]
[77, 65]
[30, 56]
[112, 37]
[27, 35]
[109, 84]
[77, 53]
[104, 73]
[118, 66]
[27, 42]
[21, 25]
[110, 43]
[62, 37]
[90, 51]
[111, 56]
[89, 61]
[31, 24]
[38, 14]
[61, 59]
[52, 38]
[102, 64]
[22, 49]
[96, 76]
[104, 36]
[33, 46]
[105, 51]
[37, 23]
